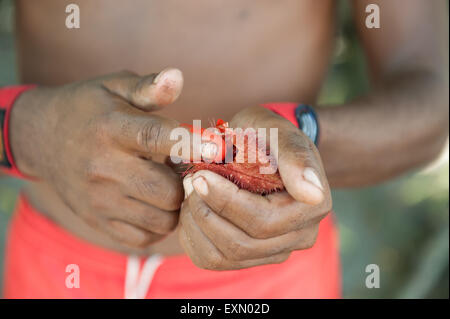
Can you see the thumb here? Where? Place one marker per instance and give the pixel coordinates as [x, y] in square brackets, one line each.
[301, 170]
[147, 92]
[299, 162]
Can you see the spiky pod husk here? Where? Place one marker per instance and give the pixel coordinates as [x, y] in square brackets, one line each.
[242, 171]
[245, 176]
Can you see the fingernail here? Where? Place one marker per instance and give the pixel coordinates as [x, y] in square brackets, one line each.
[200, 186]
[158, 77]
[171, 73]
[209, 150]
[187, 184]
[310, 175]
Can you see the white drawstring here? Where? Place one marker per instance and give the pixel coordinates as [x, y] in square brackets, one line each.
[138, 282]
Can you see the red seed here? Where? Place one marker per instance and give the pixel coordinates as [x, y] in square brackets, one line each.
[244, 174]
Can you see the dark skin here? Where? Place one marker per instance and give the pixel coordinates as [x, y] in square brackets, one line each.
[100, 158]
[223, 227]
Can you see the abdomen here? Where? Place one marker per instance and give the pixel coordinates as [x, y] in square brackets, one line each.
[233, 53]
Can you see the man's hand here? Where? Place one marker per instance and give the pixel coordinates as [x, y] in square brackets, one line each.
[223, 227]
[99, 147]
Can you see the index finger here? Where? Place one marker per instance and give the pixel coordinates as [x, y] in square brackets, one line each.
[152, 134]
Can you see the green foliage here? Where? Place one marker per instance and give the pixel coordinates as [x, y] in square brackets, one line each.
[402, 226]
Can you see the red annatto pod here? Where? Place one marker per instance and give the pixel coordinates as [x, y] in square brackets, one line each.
[243, 161]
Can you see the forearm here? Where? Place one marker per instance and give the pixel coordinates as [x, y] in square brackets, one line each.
[401, 125]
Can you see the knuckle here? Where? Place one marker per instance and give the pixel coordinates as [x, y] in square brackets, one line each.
[224, 205]
[323, 210]
[150, 135]
[261, 228]
[299, 145]
[171, 198]
[238, 251]
[311, 242]
[101, 126]
[164, 224]
[136, 238]
[299, 218]
[147, 187]
[281, 258]
[139, 220]
[202, 211]
[92, 171]
[212, 261]
[145, 220]
[324, 213]
[183, 217]
[262, 232]
[328, 203]
[170, 224]
[309, 239]
[145, 239]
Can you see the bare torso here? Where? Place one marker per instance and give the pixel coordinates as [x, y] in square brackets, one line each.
[233, 54]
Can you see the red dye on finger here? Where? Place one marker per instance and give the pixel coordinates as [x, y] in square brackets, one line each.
[249, 163]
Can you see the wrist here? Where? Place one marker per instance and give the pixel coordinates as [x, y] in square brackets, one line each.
[8, 97]
[301, 115]
[27, 131]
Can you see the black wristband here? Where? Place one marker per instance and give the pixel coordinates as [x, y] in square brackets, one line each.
[4, 162]
[307, 121]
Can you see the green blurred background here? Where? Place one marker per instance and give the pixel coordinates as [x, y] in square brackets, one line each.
[402, 226]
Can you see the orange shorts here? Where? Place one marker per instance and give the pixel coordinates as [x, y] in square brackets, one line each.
[40, 256]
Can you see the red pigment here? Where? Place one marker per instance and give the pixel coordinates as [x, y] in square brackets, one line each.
[242, 173]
